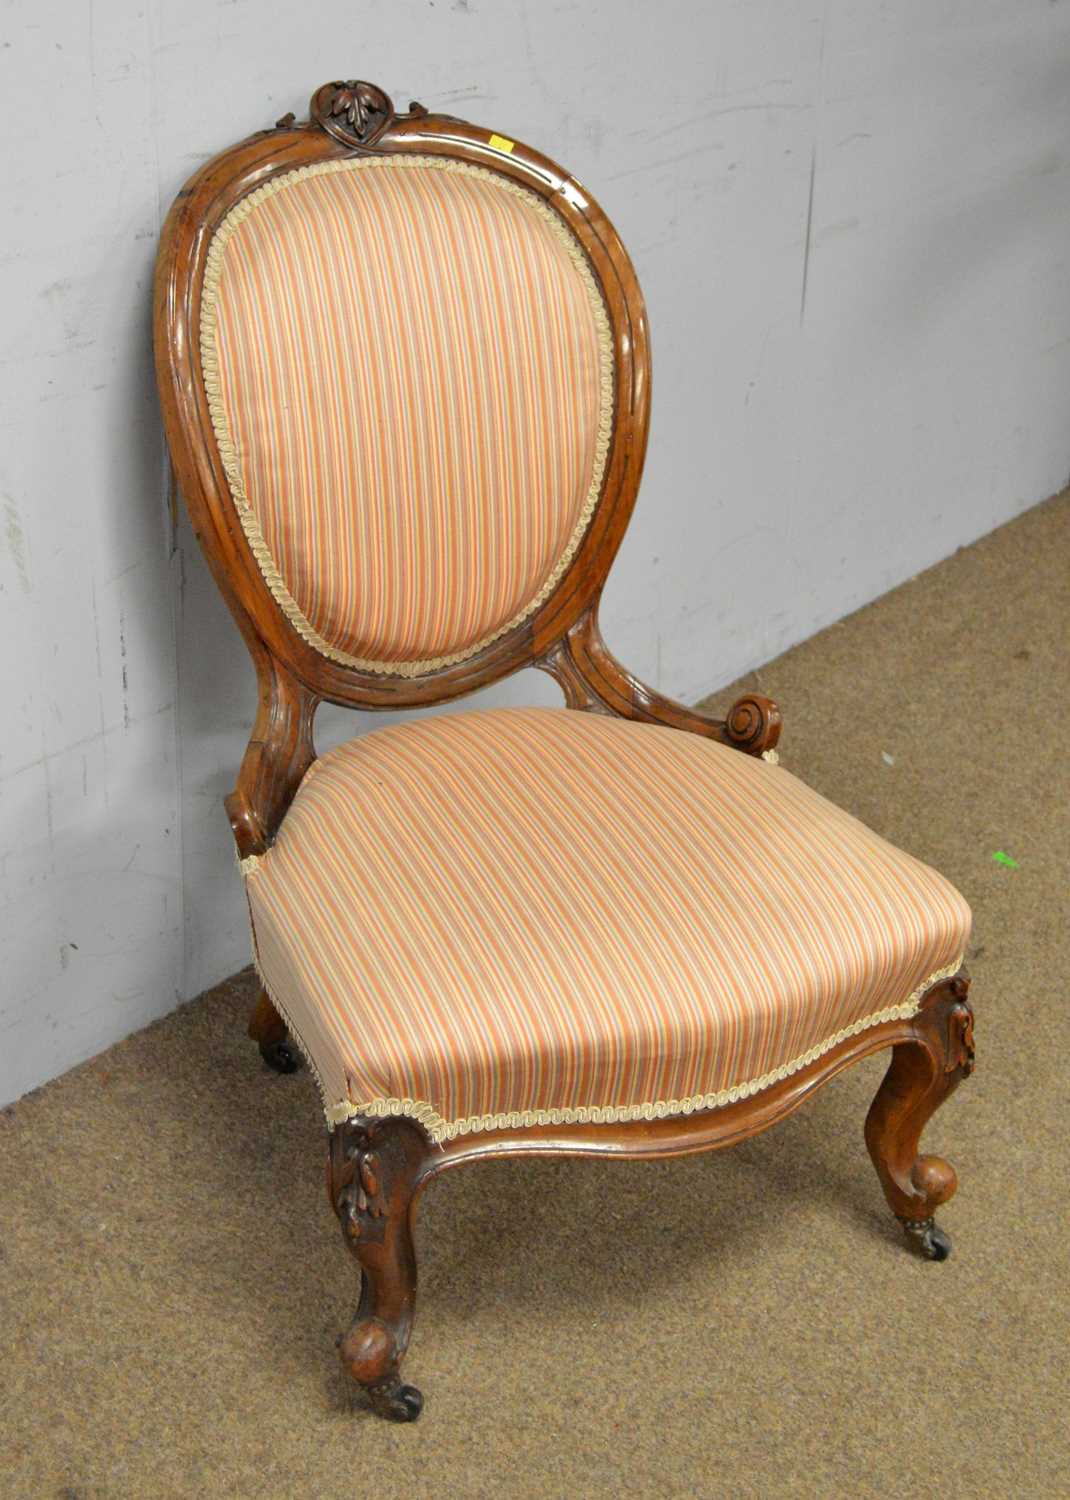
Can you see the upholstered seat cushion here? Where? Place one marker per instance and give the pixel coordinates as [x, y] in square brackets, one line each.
[538, 915]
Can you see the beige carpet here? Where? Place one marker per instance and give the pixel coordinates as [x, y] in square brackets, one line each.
[742, 1324]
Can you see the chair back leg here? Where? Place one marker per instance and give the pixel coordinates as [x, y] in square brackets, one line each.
[268, 1030]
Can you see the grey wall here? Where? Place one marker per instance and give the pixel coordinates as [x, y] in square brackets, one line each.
[851, 220]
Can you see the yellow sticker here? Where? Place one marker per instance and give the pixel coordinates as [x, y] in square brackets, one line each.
[500, 143]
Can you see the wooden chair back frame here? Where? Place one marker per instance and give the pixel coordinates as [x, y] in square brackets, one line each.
[561, 636]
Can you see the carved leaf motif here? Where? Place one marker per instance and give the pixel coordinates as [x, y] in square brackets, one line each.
[361, 105]
[348, 102]
[353, 111]
[361, 1198]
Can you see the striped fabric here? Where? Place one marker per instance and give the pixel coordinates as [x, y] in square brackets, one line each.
[409, 370]
[528, 916]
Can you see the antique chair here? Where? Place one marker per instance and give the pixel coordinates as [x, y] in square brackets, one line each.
[405, 378]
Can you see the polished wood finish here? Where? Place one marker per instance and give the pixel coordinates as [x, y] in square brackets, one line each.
[924, 1070]
[377, 1168]
[591, 678]
[374, 1168]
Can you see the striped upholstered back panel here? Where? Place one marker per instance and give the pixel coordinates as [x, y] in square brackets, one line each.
[409, 369]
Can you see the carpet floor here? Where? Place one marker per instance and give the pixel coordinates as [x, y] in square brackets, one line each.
[742, 1324]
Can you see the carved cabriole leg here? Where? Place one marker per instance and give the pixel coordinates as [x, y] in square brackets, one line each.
[922, 1073]
[268, 1030]
[373, 1171]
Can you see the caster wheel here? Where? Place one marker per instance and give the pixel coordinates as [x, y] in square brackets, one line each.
[930, 1239]
[282, 1056]
[401, 1403]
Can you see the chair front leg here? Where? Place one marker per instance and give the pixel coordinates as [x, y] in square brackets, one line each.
[921, 1075]
[373, 1171]
[268, 1030]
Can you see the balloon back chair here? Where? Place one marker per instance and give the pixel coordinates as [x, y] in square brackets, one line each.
[405, 377]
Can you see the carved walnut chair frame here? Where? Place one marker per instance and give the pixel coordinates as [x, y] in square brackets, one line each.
[378, 1167]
